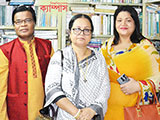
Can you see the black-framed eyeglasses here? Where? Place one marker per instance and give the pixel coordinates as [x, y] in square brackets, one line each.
[27, 21]
[78, 31]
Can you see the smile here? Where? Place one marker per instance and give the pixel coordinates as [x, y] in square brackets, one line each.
[124, 28]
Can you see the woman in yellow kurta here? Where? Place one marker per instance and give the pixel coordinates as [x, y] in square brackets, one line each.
[128, 52]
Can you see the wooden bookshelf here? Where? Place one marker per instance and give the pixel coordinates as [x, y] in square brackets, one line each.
[102, 12]
[57, 22]
[61, 25]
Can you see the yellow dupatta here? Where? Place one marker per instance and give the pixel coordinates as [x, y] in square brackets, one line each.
[140, 61]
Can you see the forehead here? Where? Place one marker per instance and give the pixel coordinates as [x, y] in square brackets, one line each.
[82, 22]
[23, 15]
[124, 14]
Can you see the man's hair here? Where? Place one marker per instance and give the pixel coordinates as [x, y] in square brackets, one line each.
[22, 9]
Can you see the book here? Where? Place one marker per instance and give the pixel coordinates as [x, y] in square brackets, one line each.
[0, 15]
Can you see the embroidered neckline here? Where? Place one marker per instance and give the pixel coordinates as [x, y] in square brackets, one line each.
[122, 51]
[84, 72]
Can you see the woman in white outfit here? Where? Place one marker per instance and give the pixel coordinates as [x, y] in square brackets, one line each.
[84, 89]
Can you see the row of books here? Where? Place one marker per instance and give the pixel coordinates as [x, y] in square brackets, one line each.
[152, 21]
[46, 19]
[49, 19]
[95, 43]
[5, 39]
[20, 2]
[103, 24]
[47, 34]
[109, 1]
[9, 35]
[102, 17]
[17, 2]
[98, 9]
[6, 15]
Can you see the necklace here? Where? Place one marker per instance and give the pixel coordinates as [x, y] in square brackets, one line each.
[84, 71]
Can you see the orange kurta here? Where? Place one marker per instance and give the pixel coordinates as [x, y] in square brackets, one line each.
[35, 86]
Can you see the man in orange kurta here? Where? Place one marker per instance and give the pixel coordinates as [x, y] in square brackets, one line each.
[23, 66]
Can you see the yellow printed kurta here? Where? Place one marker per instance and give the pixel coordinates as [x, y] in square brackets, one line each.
[35, 86]
[141, 62]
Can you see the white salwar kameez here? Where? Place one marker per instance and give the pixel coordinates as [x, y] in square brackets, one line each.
[85, 84]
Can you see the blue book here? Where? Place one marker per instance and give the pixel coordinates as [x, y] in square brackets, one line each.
[157, 22]
[3, 15]
[43, 19]
[149, 24]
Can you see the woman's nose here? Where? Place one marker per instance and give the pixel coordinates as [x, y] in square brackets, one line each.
[123, 22]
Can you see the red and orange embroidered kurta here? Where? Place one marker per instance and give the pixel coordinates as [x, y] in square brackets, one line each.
[27, 90]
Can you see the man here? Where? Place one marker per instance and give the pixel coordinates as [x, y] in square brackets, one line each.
[23, 66]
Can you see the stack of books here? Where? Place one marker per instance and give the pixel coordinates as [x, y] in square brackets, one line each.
[21, 2]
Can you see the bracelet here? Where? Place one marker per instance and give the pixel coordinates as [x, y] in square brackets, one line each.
[77, 114]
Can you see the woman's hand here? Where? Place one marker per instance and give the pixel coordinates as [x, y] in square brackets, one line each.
[130, 87]
[86, 114]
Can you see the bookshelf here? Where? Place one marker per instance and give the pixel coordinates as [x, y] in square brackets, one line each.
[101, 13]
[48, 26]
[151, 19]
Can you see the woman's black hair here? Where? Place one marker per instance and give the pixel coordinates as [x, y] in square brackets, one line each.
[136, 37]
[80, 16]
[24, 8]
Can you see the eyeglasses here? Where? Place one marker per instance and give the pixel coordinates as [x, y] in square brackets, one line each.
[78, 31]
[27, 21]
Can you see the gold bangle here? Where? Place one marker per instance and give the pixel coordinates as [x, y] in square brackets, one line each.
[77, 114]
